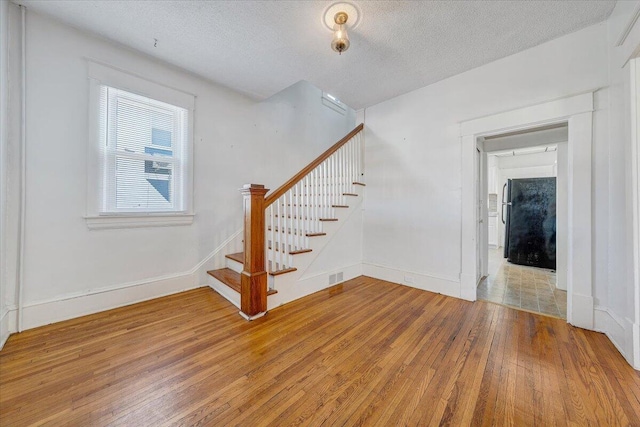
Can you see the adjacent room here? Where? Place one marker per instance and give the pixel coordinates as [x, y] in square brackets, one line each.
[267, 213]
[526, 199]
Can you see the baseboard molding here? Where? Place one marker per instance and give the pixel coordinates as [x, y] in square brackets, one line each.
[72, 305]
[468, 287]
[7, 325]
[309, 285]
[75, 305]
[619, 331]
[635, 340]
[580, 311]
[440, 285]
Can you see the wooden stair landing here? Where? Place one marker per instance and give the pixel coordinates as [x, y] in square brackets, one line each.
[231, 279]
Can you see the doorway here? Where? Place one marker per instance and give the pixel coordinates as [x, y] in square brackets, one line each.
[577, 112]
[525, 199]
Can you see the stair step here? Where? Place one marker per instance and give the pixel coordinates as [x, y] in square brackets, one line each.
[300, 251]
[283, 271]
[228, 277]
[318, 206]
[232, 279]
[238, 257]
[306, 234]
[349, 194]
[305, 219]
[360, 183]
[296, 252]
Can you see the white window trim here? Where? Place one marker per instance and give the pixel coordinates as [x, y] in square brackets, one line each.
[101, 74]
[332, 102]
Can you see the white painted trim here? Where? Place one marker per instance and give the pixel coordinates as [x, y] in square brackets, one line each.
[549, 112]
[23, 168]
[226, 292]
[71, 306]
[106, 222]
[76, 304]
[421, 281]
[110, 75]
[254, 317]
[635, 195]
[627, 29]
[213, 253]
[296, 289]
[618, 331]
[577, 111]
[5, 327]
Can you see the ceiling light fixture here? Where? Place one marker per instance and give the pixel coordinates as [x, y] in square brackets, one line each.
[340, 42]
[338, 18]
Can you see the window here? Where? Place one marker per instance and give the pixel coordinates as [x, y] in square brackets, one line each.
[140, 164]
[334, 103]
[144, 143]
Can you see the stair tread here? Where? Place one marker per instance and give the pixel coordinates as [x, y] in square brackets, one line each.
[239, 257]
[306, 219]
[349, 194]
[283, 271]
[300, 251]
[228, 277]
[306, 234]
[296, 252]
[232, 279]
[360, 183]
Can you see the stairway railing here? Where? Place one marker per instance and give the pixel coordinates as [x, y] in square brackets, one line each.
[293, 213]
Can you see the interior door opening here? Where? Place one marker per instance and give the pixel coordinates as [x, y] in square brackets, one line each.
[523, 195]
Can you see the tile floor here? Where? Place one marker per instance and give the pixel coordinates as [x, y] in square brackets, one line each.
[528, 288]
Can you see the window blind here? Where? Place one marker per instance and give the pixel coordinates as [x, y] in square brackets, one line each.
[143, 154]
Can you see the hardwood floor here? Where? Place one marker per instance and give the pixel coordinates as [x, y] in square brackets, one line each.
[366, 352]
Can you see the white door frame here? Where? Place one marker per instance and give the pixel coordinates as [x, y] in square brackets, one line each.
[634, 340]
[577, 111]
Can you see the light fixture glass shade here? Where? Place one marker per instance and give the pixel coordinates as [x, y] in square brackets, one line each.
[340, 41]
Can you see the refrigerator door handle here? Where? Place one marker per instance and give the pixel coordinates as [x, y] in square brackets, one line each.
[504, 187]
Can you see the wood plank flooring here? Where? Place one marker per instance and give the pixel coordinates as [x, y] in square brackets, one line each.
[367, 352]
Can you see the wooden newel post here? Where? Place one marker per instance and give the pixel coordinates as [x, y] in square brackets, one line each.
[253, 283]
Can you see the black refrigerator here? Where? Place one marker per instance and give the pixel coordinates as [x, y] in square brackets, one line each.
[529, 215]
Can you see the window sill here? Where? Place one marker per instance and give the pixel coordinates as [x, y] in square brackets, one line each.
[137, 221]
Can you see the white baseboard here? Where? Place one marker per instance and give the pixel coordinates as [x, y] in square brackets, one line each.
[309, 285]
[468, 287]
[580, 311]
[440, 285]
[7, 325]
[635, 345]
[619, 331]
[70, 306]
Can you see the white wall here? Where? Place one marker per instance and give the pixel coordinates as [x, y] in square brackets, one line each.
[4, 136]
[70, 270]
[412, 219]
[11, 174]
[617, 314]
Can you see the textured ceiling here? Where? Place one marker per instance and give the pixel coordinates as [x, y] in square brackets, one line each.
[262, 47]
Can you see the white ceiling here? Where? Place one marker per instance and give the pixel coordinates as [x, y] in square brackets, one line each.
[262, 47]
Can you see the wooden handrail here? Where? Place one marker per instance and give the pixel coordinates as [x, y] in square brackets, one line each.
[311, 166]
